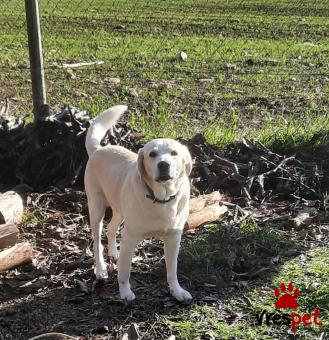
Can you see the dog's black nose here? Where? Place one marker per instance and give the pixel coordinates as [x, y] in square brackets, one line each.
[163, 166]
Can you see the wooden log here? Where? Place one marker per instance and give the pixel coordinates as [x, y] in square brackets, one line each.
[8, 235]
[11, 207]
[205, 208]
[201, 201]
[15, 256]
[211, 213]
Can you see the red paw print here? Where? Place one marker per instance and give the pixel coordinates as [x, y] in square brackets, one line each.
[286, 299]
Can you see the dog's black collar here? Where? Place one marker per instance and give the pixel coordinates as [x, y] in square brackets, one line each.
[152, 197]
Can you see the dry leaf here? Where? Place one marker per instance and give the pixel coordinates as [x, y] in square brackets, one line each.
[112, 81]
[230, 66]
[312, 287]
[210, 335]
[70, 74]
[132, 333]
[303, 218]
[133, 92]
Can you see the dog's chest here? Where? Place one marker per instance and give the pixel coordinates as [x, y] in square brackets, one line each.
[164, 217]
[156, 218]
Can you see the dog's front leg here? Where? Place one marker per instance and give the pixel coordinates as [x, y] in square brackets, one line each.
[127, 247]
[171, 250]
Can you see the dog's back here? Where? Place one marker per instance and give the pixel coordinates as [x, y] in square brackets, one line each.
[108, 168]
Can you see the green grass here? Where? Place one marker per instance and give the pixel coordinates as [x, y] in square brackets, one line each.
[230, 318]
[205, 257]
[202, 319]
[279, 58]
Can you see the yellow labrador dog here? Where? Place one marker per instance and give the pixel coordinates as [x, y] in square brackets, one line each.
[149, 192]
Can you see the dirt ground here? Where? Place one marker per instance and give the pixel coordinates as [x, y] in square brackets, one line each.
[58, 292]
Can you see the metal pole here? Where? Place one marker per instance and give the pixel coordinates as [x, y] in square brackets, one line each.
[36, 57]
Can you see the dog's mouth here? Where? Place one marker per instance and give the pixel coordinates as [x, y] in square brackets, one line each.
[164, 178]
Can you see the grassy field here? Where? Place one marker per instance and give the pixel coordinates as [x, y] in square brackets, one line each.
[254, 68]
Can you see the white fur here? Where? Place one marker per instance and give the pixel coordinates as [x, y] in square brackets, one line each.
[117, 177]
[100, 125]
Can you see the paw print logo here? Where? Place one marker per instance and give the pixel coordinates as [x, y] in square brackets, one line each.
[286, 298]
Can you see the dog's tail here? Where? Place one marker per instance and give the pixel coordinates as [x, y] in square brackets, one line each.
[100, 125]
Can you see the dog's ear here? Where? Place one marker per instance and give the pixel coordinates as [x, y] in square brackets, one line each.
[187, 160]
[140, 163]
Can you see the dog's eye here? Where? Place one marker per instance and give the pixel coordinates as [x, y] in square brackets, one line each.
[174, 153]
[153, 154]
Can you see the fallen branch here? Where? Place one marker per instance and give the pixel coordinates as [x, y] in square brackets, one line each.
[53, 335]
[210, 213]
[204, 209]
[76, 65]
[201, 201]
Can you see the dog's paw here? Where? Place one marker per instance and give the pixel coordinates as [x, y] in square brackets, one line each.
[113, 254]
[101, 273]
[181, 294]
[127, 294]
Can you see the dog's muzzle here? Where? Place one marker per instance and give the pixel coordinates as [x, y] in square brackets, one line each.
[164, 168]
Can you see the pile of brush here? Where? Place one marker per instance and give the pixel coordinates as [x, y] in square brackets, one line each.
[51, 152]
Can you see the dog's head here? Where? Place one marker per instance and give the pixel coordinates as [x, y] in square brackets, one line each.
[164, 160]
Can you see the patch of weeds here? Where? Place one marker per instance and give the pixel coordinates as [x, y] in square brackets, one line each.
[158, 120]
[310, 274]
[223, 131]
[248, 225]
[256, 245]
[286, 132]
[200, 322]
[202, 251]
[31, 218]
[243, 248]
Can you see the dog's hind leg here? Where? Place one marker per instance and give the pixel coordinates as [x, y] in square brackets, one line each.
[96, 213]
[112, 228]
